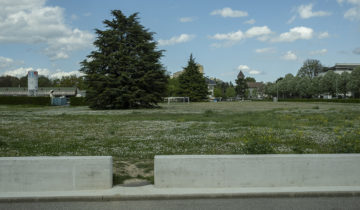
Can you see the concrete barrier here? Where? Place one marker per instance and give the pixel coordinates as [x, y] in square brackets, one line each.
[309, 170]
[24, 174]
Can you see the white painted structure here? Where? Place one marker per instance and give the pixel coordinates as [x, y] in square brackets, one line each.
[30, 174]
[340, 68]
[32, 83]
[224, 171]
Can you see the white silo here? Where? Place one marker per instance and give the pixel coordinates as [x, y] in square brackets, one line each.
[32, 83]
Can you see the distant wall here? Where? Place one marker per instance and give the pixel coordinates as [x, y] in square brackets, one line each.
[24, 174]
[309, 170]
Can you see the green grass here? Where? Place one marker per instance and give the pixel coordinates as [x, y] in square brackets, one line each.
[133, 137]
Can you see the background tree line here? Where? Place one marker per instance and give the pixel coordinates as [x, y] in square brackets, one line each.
[43, 81]
[227, 90]
[308, 84]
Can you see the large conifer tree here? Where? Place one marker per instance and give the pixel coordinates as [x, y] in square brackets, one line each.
[125, 70]
[241, 85]
[192, 83]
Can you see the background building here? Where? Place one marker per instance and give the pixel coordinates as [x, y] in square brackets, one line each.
[339, 68]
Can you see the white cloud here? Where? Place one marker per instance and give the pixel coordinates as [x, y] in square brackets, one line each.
[186, 19]
[20, 72]
[357, 51]
[354, 12]
[289, 55]
[295, 34]
[5, 62]
[248, 70]
[32, 22]
[233, 37]
[265, 50]
[319, 52]
[228, 12]
[323, 35]
[60, 74]
[243, 68]
[176, 40]
[254, 72]
[305, 12]
[251, 21]
[257, 31]
[291, 19]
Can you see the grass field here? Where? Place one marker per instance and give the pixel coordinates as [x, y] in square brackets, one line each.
[133, 137]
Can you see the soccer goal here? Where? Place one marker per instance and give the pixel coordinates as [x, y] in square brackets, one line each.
[177, 100]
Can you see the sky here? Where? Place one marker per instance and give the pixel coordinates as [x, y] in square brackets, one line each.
[263, 39]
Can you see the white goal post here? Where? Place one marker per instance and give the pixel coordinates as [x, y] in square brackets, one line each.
[177, 99]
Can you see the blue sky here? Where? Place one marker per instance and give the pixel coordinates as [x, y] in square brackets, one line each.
[264, 39]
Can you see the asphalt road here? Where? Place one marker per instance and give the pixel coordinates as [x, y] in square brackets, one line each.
[277, 203]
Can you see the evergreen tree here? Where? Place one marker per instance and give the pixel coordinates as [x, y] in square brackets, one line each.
[125, 70]
[192, 83]
[241, 85]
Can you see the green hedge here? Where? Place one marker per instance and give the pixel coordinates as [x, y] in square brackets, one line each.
[78, 101]
[18, 100]
[349, 100]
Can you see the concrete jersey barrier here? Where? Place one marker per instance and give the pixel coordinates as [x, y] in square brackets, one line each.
[308, 170]
[26, 174]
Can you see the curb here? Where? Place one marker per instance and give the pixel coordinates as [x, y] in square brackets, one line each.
[118, 197]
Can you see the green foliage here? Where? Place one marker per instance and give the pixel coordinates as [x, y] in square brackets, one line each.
[304, 88]
[241, 86]
[173, 87]
[9, 81]
[354, 83]
[270, 89]
[347, 143]
[328, 82]
[125, 70]
[343, 82]
[218, 92]
[23, 81]
[250, 79]
[192, 83]
[258, 146]
[78, 101]
[208, 113]
[230, 92]
[44, 81]
[70, 81]
[19, 100]
[311, 68]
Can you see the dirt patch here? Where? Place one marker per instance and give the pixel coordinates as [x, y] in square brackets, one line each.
[133, 172]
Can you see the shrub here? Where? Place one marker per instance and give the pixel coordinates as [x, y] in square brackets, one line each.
[78, 101]
[19, 100]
